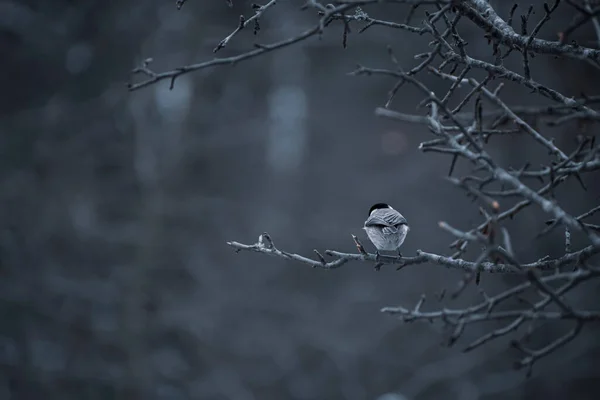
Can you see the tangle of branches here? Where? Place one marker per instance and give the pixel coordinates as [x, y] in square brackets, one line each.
[465, 135]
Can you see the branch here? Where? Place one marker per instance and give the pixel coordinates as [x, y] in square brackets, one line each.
[327, 14]
[595, 23]
[464, 135]
[484, 311]
[259, 10]
[577, 22]
[484, 16]
[265, 246]
[153, 77]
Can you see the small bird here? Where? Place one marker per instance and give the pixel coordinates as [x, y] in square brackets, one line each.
[386, 228]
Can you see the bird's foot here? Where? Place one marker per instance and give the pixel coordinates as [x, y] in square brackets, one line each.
[400, 254]
[378, 263]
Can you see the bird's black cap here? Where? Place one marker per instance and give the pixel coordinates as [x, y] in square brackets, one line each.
[378, 206]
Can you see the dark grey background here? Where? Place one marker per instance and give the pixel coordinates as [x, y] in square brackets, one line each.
[115, 279]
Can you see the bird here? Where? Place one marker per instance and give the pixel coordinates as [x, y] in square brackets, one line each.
[386, 228]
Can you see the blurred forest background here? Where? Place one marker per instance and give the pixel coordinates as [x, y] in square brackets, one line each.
[115, 278]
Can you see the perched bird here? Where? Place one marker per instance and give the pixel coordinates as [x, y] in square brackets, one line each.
[386, 228]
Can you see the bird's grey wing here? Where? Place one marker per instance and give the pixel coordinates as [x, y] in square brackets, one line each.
[389, 230]
[376, 220]
[386, 218]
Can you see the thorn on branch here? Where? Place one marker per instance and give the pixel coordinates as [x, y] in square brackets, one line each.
[359, 246]
[367, 26]
[265, 241]
[440, 295]
[321, 258]
[256, 26]
[346, 31]
[458, 331]
[411, 12]
[507, 242]
[511, 14]
[452, 164]
[420, 303]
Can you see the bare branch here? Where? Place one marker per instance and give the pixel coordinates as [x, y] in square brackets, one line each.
[258, 12]
[154, 77]
[484, 16]
[422, 257]
[465, 130]
[592, 13]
